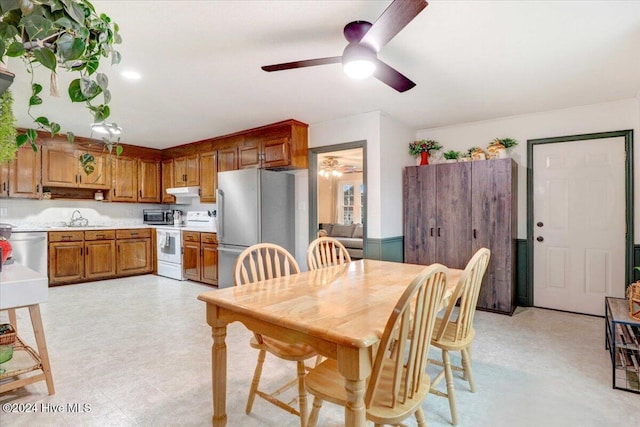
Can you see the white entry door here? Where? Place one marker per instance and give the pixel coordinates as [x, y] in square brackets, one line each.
[578, 224]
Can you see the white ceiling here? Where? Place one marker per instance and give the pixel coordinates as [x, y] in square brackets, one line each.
[471, 60]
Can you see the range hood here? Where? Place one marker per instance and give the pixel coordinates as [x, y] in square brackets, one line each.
[184, 195]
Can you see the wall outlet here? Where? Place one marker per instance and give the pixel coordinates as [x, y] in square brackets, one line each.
[4, 212]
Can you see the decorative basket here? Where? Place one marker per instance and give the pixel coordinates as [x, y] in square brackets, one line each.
[633, 294]
[7, 334]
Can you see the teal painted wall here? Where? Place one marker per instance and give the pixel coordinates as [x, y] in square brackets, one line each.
[386, 249]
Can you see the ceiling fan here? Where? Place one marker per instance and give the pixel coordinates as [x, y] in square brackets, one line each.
[360, 59]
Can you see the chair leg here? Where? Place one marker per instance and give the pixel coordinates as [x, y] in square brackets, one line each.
[422, 421]
[255, 381]
[468, 372]
[451, 393]
[302, 393]
[315, 410]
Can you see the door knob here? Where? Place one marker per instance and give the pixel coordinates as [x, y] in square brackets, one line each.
[539, 224]
[540, 239]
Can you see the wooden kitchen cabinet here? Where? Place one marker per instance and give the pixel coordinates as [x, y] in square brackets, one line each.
[208, 177]
[61, 167]
[209, 258]
[125, 179]
[149, 184]
[66, 257]
[99, 254]
[21, 177]
[4, 179]
[167, 181]
[451, 210]
[228, 159]
[191, 255]
[136, 180]
[200, 256]
[186, 171]
[133, 251]
[264, 153]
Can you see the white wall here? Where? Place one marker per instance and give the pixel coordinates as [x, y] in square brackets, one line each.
[357, 128]
[611, 116]
[394, 156]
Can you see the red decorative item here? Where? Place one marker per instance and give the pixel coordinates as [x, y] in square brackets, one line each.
[424, 158]
[6, 249]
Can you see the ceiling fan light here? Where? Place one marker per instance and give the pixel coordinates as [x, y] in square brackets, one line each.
[359, 69]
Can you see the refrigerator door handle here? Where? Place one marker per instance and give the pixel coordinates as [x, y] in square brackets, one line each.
[220, 200]
[230, 250]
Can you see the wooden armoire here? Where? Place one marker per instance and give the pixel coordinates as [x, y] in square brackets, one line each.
[453, 209]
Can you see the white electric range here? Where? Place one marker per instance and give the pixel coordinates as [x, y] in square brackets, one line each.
[169, 241]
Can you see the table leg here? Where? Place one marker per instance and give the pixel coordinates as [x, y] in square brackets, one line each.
[355, 366]
[13, 320]
[38, 331]
[219, 375]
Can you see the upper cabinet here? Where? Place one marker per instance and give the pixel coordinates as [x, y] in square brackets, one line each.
[279, 146]
[208, 177]
[167, 181]
[227, 159]
[21, 177]
[136, 180]
[186, 171]
[61, 167]
[149, 186]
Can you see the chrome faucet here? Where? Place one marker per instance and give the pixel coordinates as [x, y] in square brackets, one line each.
[77, 220]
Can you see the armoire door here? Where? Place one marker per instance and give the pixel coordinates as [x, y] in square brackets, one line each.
[494, 204]
[419, 214]
[453, 214]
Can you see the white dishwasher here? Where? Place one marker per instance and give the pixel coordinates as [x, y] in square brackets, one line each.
[30, 250]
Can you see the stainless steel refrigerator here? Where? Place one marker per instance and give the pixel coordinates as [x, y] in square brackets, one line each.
[254, 206]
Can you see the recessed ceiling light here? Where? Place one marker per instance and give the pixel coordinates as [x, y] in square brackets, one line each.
[131, 75]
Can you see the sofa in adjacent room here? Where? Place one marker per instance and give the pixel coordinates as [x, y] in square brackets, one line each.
[350, 235]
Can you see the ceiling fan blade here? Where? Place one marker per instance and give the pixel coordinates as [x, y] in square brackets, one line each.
[393, 19]
[392, 77]
[302, 64]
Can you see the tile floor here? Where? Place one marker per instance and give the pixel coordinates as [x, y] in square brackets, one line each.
[136, 351]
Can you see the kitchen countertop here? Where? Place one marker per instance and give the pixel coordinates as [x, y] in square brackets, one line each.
[35, 228]
[20, 286]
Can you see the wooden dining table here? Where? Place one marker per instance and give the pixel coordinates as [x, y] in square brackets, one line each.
[340, 311]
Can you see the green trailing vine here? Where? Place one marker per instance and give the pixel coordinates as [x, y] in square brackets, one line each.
[66, 35]
[8, 132]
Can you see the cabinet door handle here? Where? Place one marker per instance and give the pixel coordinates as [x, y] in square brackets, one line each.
[76, 178]
[475, 233]
[37, 188]
[431, 232]
[86, 252]
[80, 178]
[438, 231]
[140, 194]
[80, 251]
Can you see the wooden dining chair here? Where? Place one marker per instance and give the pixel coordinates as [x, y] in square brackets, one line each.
[326, 252]
[398, 383]
[261, 262]
[458, 334]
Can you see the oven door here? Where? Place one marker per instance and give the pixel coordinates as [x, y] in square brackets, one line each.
[169, 246]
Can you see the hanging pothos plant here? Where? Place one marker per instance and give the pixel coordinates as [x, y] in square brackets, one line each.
[8, 145]
[66, 35]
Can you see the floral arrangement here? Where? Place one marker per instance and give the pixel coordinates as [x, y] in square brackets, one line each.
[417, 147]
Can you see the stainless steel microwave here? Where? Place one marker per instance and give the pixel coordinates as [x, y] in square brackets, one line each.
[157, 216]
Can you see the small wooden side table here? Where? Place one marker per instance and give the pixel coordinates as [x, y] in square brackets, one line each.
[21, 287]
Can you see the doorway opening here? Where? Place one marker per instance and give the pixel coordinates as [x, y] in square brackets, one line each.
[338, 196]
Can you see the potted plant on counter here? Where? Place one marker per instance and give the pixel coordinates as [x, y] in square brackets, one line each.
[67, 35]
[423, 148]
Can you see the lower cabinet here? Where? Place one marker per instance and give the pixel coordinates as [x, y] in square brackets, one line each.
[82, 256]
[134, 252]
[200, 256]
